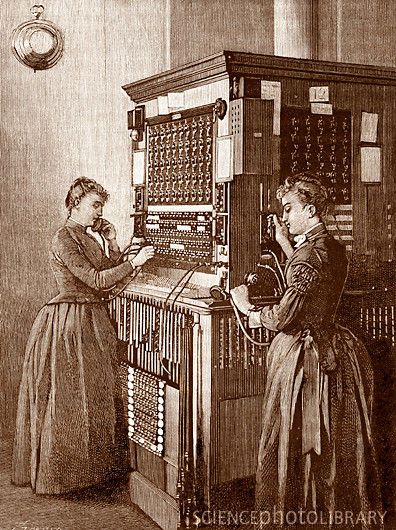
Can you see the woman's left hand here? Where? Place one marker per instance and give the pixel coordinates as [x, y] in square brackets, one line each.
[240, 297]
[108, 230]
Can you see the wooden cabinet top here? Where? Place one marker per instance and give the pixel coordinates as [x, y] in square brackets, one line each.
[232, 63]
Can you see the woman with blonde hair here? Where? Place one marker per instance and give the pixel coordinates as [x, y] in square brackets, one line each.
[316, 454]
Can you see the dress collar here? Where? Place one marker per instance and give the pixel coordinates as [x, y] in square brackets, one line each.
[71, 223]
[311, 234]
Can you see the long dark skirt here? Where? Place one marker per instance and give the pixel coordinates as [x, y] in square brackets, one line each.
[69, 431]
[336, 478]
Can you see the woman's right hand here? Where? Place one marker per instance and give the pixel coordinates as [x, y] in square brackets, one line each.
[142, 256]
[240, 297]
[281, 231]
[282, 235]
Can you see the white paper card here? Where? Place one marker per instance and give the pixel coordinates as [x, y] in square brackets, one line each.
[271, 90]
[321, 108]
[163, 107]
[224, 159]
[370, 164]
[138, 167]
[318, 93]
[369, 127]
[176, 100]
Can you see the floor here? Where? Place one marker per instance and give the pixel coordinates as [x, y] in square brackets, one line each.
[105, 509]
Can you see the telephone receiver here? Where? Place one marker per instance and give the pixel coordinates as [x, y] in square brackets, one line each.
[270, 231]
[99, 224]
[266, 281]
[218, 293]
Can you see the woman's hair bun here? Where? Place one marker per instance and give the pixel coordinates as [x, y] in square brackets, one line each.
[82, 186]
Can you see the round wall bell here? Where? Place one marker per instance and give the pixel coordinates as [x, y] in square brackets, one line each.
[37, 43]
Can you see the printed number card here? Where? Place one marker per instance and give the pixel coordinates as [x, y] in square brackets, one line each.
[370, 163]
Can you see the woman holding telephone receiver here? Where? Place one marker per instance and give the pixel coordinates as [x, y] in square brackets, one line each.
[316, 455]
[69, 433]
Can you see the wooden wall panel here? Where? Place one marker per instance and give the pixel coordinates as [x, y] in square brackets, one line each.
[244, 237]
[151, 466]
[295, 94]
[239, 440]
[367, 32]
[202, 27]
[362, 31]
[56, 125]
[328, 31]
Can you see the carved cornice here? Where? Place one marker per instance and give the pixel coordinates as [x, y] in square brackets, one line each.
[252, 65]
[187, 76]
[229, 64]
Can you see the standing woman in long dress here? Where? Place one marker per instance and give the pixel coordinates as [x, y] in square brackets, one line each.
[316, 454]
[68, 420]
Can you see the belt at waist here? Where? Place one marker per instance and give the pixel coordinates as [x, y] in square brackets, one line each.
[78, 298]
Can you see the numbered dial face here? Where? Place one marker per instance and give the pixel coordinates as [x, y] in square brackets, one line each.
[38, 44]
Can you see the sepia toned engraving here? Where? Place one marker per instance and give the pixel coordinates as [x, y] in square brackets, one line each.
[198, 248]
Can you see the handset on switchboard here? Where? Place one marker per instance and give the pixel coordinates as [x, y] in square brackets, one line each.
[218, 293]
[260, 282]
[266, 281]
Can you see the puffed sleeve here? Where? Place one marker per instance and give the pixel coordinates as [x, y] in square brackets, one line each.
[278, 317]
[67, 250]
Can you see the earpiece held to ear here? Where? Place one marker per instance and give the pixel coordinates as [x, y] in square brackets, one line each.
[98, 225]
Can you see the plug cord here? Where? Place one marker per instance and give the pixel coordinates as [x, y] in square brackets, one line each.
[183, 281]
[243, 328]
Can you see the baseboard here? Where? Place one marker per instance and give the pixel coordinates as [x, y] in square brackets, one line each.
[161, 507]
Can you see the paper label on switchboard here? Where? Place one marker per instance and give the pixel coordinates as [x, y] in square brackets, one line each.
[271, 90]
[176, 100]
[370, 164]
[322, 108]
[163, 107]
[138, 167]
[224, 159]
[369, 127]
[318, 94]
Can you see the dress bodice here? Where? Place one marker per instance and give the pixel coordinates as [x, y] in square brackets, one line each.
[81, 268]
[315, 277]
